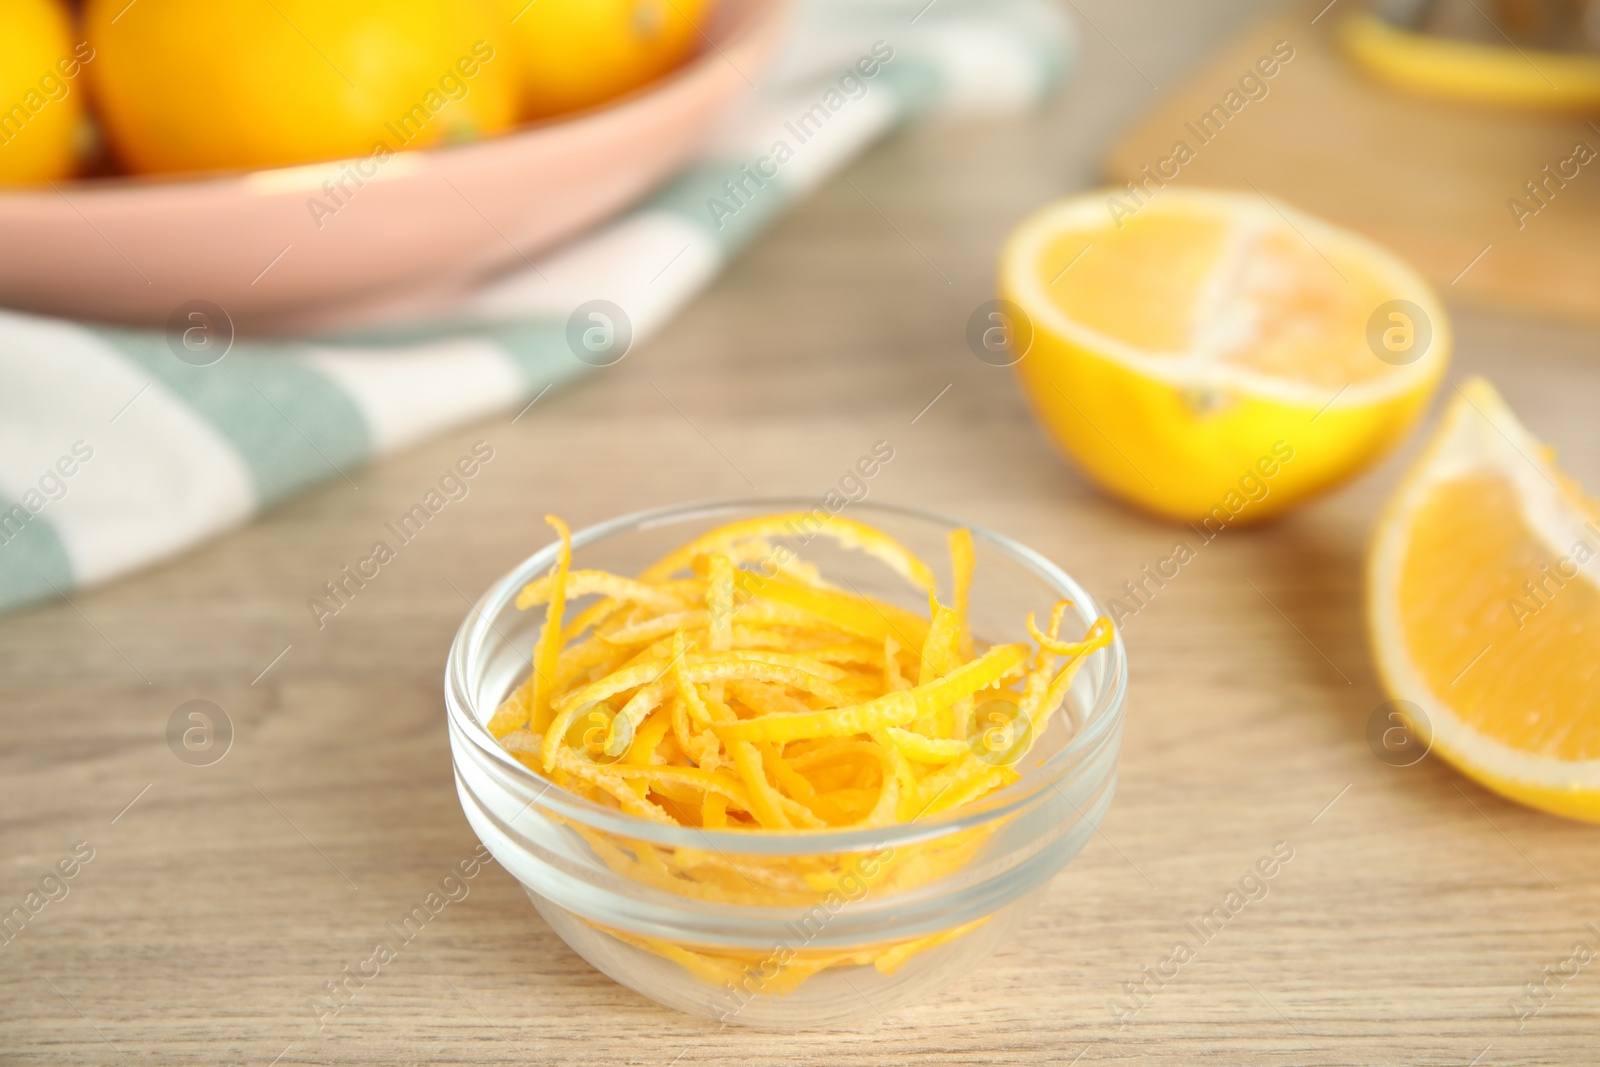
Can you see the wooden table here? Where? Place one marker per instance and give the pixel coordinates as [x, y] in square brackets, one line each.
[219, 899]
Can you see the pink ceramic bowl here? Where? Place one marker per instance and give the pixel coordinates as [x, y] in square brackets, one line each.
[425, 225]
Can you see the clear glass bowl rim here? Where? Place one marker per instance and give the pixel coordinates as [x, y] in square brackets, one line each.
[477, 630]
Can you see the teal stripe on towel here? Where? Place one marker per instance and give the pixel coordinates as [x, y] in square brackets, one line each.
[292, 425]
[540, 351]
[32, 557]
[917, 83]
[732, 218]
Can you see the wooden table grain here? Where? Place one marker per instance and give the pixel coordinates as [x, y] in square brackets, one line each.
[215, 901]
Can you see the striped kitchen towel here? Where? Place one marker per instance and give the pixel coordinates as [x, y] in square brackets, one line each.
[115, 452]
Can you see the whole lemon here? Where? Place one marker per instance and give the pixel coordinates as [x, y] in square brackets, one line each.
[578, 53]
[187, 85]
[41, 98]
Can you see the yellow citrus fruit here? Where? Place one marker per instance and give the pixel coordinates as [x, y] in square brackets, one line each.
[187, 85]
[578, 53]
[1213, 356]
[41, 98]
[1480, 73]
[1483, 605]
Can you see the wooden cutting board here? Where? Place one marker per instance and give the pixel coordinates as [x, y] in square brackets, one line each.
[1431, 180]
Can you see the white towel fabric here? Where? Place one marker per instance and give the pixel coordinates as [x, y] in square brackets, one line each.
[114, 453]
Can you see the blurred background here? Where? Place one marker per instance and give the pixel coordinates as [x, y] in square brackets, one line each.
[272, 271]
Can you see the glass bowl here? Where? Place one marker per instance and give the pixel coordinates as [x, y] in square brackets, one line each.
[758, 927]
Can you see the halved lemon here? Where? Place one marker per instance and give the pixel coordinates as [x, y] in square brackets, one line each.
[1216, 356]
[1484, 609]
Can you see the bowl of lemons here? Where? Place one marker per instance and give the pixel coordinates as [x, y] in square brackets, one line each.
[307, 164]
